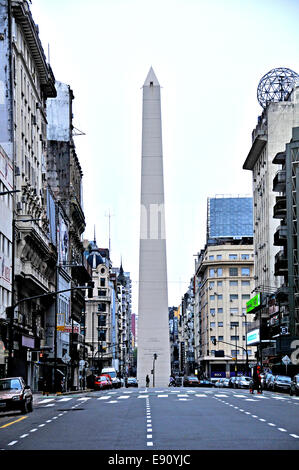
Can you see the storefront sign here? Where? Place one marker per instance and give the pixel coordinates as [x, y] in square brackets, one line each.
[253, 303]
[27, 342]
[253, 337]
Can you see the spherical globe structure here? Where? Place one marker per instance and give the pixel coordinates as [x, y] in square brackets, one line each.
[276, 85]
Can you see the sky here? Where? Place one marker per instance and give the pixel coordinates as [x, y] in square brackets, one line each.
[209, 57]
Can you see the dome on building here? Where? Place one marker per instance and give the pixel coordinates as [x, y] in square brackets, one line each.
[276, 85]
[94, 258]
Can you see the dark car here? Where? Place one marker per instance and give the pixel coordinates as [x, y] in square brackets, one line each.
[131, 382]
[102, 382]
[179, 381]
[294, 388]
[15, 395]
[191, 381]
[282, 383]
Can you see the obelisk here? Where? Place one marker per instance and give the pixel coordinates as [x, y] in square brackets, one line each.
[153, 353]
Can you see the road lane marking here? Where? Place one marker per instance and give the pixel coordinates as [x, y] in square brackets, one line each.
[64, 399]
[12, 422]
[24, 435]
[47, 400]
[104, 398]
[122, 397]
[200, 395]
[149, 444]
[12, 443]
[162, 396]
[142, 396]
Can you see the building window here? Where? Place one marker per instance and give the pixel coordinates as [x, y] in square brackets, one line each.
[234, 338]
[219, 272]
[212, 324]
[102, 307]
[219, 283]
[212, 297]
[212, 311]
[102, 282]
[211, 257]
[245, 283]
[212, 284]
[233, 311]
[102, 293]
[212, 338]
[102, 335]
[245, 296]
[220, 297]
[245, 256]
[212, 272]
[102, 320]
[245, 271]
[233, 297]
[219, 257]
[234, 352]
[220, 310]
[234, 323]
[220, 338]
[233, 271]
[233, 256]
[220, 323]
[233, 283]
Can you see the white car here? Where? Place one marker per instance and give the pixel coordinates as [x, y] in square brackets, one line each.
[244, 382]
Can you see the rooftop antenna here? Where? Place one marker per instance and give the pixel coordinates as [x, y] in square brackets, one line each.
[109, 215]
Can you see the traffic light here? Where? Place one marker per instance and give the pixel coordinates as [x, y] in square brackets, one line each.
[90, 286]
[214, 341]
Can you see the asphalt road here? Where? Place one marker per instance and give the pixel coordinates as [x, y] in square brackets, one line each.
[155, 420]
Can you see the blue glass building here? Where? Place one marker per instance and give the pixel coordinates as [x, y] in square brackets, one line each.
[229, 217]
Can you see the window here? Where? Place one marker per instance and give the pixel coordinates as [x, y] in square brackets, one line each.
[234, 323]
[219, 283]
[220, 338]
[212, 273]
[220, 297]
[233, 311]
[220, 310]
[102, 282]
[233, 256]
[212, 284]
[212, 324]
[219, 256]
[102, 335]
[233, 271]
[102, 307]
[234, 338]
[245, 296]
[245, 271]
[211, 257]
[212, 338]
[212, 311]
[233, 283]
[233, 297]
[212, 297]
[244, 256]
[219, 272]
[234, 352]
[220, 323]
[245, 283]
[102, 320]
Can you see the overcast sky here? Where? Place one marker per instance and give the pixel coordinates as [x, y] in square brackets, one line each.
[208, 57]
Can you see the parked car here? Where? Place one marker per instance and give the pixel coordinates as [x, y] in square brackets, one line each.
[15, 395]
[264, 379]
[219, 382]
[243, 382]
[205, 383]
[191, 381]
[294, 388]
[102, 382]
[232, 381]
[131, 382]
[281, 382]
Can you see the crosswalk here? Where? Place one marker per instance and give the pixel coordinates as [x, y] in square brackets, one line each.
[180, 395]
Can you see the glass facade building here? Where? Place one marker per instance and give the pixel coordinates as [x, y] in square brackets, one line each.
[229, 217]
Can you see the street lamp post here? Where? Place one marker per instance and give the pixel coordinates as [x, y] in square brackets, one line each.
[154, 360]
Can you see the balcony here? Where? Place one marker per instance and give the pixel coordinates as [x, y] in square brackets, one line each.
[279, 181]
[280, 208]
[281, 264]
[280, 236]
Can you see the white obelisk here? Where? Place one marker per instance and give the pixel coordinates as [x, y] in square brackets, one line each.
[153, 356]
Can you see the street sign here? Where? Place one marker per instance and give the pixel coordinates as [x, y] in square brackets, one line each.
[286, 360]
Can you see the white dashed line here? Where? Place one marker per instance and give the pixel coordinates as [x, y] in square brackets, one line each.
[295, 436]
[12, 443]
[24, 435]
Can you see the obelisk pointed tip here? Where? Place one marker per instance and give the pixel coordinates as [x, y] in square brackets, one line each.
[151, 79]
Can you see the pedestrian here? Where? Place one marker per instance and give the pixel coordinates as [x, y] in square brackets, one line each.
[147, 380]
[259, 380]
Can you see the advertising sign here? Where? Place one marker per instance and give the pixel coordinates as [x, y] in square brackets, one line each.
[253, 337]
[253, 303]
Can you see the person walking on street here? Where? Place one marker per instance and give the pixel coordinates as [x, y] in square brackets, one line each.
[147, 380]
[259, 380]
[254, 385]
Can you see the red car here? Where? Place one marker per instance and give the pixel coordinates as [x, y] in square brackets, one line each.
[102, 383]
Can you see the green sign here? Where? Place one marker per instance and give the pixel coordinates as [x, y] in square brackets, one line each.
[253, 303]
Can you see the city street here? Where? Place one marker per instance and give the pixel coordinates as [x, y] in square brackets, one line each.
[155, 419]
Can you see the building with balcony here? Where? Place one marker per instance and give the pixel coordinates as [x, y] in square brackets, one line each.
[26, 82]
